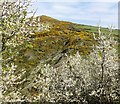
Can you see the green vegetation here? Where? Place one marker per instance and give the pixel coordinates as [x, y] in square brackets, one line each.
[95, 29]
[52, 44]
[44, 59]
[62, 38]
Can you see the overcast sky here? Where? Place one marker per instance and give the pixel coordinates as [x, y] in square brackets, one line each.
[97, 12]
[92, 13]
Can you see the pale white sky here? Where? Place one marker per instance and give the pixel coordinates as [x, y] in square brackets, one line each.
[97, 12]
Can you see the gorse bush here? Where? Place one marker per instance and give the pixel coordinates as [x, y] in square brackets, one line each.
[93, 79]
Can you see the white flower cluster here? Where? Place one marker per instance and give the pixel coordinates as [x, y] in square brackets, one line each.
[76, 79]
[16, 29]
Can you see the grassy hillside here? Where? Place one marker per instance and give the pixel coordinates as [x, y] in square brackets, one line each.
[87, 28]
[52, 46]
[63, 37]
